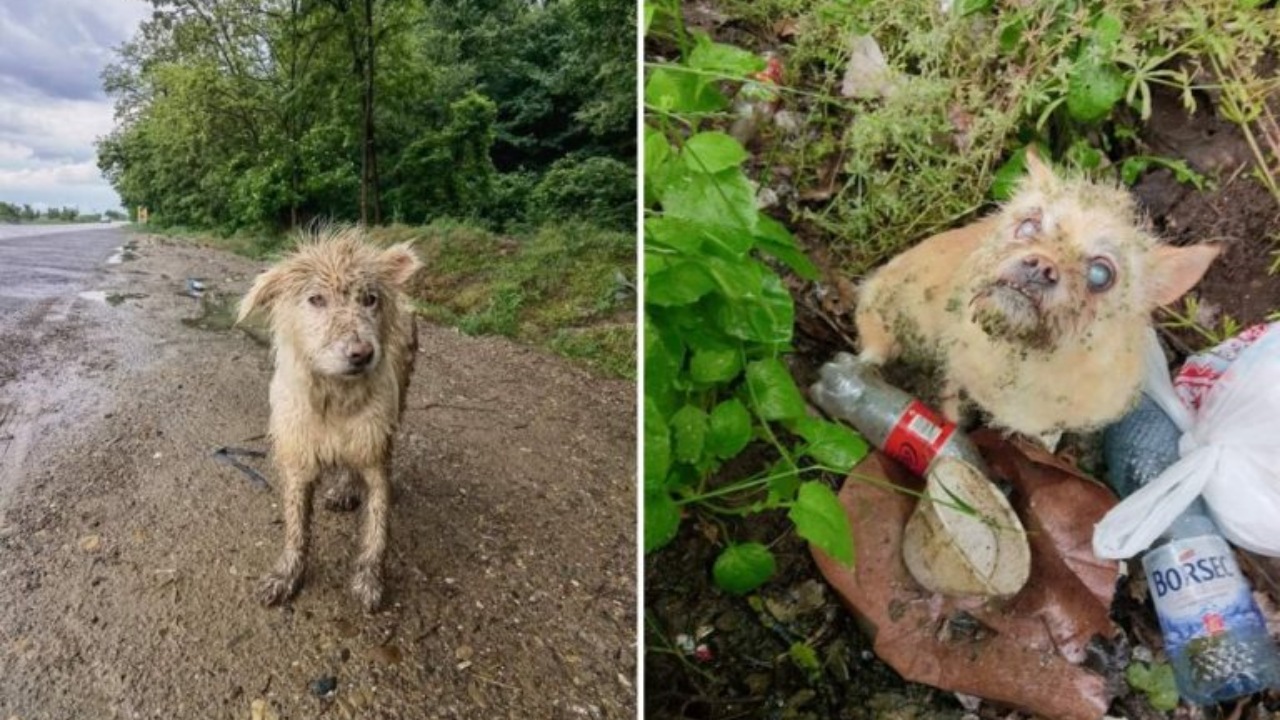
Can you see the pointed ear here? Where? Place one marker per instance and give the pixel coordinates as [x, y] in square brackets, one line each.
[266, 289]
[1040, 173]
[399, 263]
[1175, 270]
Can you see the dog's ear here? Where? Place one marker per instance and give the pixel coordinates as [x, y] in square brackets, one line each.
[266, 289]
[1175, 270]
[399, 263]
[1039, 173]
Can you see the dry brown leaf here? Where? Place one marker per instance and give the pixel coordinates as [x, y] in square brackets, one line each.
[1022, 651]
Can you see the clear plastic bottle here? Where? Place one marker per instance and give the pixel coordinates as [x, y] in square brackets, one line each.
[1214, 635]
[903, 427]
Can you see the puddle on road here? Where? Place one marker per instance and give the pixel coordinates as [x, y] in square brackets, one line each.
[218, 314]
[112, 299]
[123, 253]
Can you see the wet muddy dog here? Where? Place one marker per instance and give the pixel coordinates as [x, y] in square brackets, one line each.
[344, 341]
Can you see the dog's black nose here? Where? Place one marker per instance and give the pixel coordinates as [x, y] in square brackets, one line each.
[1039, 270]
[359, 354]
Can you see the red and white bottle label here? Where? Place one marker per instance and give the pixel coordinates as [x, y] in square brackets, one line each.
[917, 437]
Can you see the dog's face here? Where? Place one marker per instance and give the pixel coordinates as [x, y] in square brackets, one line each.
[1068, 261]
[330, 299]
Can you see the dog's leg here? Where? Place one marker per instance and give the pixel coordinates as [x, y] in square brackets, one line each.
[345, 496]
[282, 582]
[366, 584]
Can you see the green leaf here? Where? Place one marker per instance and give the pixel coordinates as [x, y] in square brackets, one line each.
[770, 319]
[673, 233]
[1093, 88]
[715, 365]
[649, 12]
[784, 482]
[729, 428]
[820, 519]
[679, 284]
[657, 165]
[774, 239]
[1107, 30]
[657, 447]
[676, 90]
[831, 444]
[1083, 155]
[739, 280]
[712, 152]
[1156, 682]
[661, 519]
[1011, 34]
[724, 200]
[805, 657]
[689, 425]
[773, 390]
[663, 357]
[969, 7]
[743, 568]
[728, 60]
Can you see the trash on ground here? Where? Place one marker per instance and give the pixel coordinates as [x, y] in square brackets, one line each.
[324, 687]
[963, 538]
[1024, 651]
[867, 75]
[228, 455]
[1227, 451]
[1214, 633]
[195, 287]
[953, 552]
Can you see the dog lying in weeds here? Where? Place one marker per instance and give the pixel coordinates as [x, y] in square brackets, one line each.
[344, 341]
[1037, 314]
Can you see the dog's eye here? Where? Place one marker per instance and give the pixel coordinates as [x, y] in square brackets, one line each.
[316, 300]
[369, 299]
[1101, 274]
[1027, 229]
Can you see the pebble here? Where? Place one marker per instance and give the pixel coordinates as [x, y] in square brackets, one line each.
[90, 543]
[260, 710]
[325, 686]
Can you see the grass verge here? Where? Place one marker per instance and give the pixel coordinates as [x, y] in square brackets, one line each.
[569, 288]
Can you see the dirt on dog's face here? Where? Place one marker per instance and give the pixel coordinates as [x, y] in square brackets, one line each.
[338, 328]
[1068, 259]
[329, 302]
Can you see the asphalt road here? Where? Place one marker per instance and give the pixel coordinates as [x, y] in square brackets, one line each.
[39, 262]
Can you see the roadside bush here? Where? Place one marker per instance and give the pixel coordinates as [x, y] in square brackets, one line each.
[601, 189]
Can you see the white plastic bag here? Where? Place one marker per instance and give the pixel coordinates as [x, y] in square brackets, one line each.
[1230, 454]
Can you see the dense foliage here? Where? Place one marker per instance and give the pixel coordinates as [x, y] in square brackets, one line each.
[267, 113]
[718, 324]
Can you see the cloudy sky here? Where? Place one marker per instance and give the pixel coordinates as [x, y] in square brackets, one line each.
[51, 102]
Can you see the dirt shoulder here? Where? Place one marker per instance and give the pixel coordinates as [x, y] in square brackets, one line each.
[130, 555]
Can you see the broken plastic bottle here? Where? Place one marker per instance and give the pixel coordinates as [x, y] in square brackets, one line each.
[903, 427]
[1214, 634]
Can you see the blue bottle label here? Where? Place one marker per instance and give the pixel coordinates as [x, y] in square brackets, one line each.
[1199, 592]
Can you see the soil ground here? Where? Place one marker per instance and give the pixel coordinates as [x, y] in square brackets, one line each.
[747, 669]
[129, 555]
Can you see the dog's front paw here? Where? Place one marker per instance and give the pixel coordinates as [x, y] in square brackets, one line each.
[366, 585]
[341, 499]
[275, 588]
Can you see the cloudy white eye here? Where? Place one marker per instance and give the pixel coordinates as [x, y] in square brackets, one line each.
[1027, 229]
[1100, 275]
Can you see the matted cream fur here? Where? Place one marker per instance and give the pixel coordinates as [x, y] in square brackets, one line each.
[1036, 314]
[344, 342]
